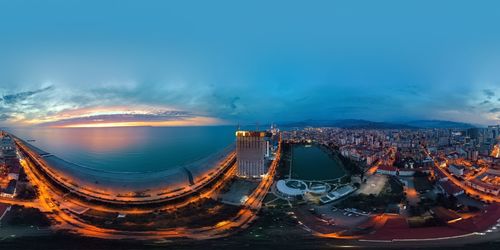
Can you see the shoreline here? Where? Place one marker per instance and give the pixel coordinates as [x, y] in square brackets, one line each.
[129, 150]
[130, 187]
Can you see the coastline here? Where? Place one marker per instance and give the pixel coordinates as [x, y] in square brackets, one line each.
[118, 187]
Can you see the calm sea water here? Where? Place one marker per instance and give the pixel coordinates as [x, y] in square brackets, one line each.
[131, 149]
[313, 163]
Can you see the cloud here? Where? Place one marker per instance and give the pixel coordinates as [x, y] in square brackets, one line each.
[124, 117]
[20, 106]
[485, 102]
[488, 93]
[234, 102]
[5, 117]
[21, 96]
[494, 110]
[254, 71]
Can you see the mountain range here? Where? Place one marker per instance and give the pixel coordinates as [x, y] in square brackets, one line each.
[365, 124]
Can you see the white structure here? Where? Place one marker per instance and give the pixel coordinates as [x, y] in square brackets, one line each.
[337, 194]
[291, 188]
[3, 210]
[456, 170]
[387, 170]
[406, 172]
[318, 188]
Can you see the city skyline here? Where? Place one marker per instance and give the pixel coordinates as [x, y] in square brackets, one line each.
[69, 63]
[128, 124]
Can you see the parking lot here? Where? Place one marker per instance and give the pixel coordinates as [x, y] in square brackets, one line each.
[340, 217]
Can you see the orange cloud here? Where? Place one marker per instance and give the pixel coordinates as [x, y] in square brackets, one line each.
[192, 121]
[121, 116]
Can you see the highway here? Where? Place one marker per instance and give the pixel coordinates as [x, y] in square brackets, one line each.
[106, 197]
[51, 197]
[31, 204]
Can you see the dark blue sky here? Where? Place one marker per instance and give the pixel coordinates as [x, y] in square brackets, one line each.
[258, 61]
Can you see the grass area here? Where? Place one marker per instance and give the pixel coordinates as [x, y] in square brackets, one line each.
[271, 223]
[280, 204]
[273, 229]
[21, 216]
[422, 184]
[269, 197]
[422, 221]
[26, 191]
[208, 212]
[393, 187]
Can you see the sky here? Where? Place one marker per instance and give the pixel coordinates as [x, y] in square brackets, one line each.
[174, 63]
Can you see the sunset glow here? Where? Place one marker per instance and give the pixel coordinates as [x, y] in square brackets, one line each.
[259, 124]
[117, 116]
[195, 121]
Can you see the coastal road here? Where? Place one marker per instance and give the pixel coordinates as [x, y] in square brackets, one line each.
[31, 204]
[49, 195]
[107, 197]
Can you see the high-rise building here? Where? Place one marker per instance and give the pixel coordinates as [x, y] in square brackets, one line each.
[494, 131]
[7, 147]
[251, 149]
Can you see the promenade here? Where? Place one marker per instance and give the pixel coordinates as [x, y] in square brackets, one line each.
[52, 197]
[131, 188]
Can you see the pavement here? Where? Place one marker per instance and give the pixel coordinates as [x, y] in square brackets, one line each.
[238, 192]
[374, 185]
[340, 216]
[324, 221]
[411, 193]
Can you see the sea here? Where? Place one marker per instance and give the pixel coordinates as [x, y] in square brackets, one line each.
[130, 149]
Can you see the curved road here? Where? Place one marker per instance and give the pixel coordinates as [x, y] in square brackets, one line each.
[68, 221]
